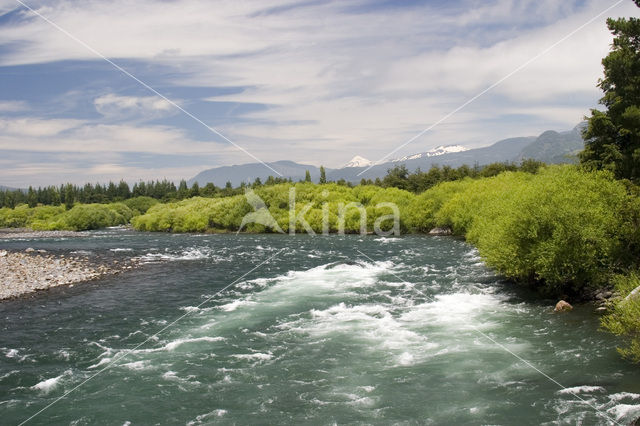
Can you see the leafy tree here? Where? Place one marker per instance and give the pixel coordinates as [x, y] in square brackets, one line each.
[307, 176]
[209, 190]
[397, 177]
[613, 136]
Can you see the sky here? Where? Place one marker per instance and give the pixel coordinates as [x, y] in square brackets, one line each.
[312, 81]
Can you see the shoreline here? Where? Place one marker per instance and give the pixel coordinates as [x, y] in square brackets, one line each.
[18, 233]
[30, 271]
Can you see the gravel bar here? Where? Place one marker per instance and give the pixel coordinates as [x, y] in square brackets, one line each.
[29, 271]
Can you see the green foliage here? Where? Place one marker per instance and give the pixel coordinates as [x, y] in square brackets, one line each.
[84, 217]
[79, 218]
[15, 218]
[23, 216]
[419, 181]
[323, 175]
[421, 213]
[140, 205]
[624, 320]
[324, 208]
[194, 215]
[563, 228]
[613, 136]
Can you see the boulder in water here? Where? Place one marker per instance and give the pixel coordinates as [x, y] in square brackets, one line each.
[440, 231]
[562, 306]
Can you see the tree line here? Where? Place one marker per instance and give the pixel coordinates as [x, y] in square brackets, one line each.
[166, 191]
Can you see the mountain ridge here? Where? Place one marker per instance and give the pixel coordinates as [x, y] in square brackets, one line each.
[550, 146]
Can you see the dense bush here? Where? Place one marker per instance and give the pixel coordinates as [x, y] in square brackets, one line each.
[24, 216]
[625, 318]
[83, 217]
[140, 205]
[339, 204]
[563, 228]
[80, 218]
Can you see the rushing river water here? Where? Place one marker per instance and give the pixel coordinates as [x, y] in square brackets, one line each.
[316, 330]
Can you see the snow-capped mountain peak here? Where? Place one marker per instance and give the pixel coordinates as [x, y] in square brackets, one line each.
[439, 150]
[357, 161]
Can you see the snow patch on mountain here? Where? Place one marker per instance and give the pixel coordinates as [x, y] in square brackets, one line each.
[358, 161]
[440, 150]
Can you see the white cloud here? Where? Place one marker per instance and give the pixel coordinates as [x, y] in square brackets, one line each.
[129, 107]
[45, 173]
[13, 106]
[63, 135]
[33, 127]
[336, 82]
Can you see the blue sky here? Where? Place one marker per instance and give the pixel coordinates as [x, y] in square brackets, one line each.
[312, 81]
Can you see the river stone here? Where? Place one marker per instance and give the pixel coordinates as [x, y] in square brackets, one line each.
[562, 306]
[440, 231]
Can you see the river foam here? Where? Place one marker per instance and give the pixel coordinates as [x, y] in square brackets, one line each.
[320, 332]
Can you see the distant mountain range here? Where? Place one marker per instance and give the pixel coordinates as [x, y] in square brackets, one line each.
[551, 147]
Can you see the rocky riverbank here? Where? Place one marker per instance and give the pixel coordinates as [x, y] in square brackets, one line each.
[24, 233]
[34, 270]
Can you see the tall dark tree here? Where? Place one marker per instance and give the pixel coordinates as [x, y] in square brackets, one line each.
[69, 196]
[183, 190]
[195, 190]
[32, 198]
[323, 175]
[123, 190]
[307, 176]
[613, 136]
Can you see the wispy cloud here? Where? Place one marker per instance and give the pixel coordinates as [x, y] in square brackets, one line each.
[130, 107]
[309, 81]
[13, 106]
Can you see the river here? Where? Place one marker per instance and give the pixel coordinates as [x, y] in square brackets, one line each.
[306, 329]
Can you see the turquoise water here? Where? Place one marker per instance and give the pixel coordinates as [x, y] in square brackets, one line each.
[337, 329]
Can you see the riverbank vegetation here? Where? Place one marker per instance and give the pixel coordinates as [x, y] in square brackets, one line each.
[166, 191]
[563, 229]
[613, 143]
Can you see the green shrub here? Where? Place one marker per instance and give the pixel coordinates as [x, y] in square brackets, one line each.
[17, 217]
[420, 214]
[624, 320]
[140, 205]
[84, 217]
[563, 228]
